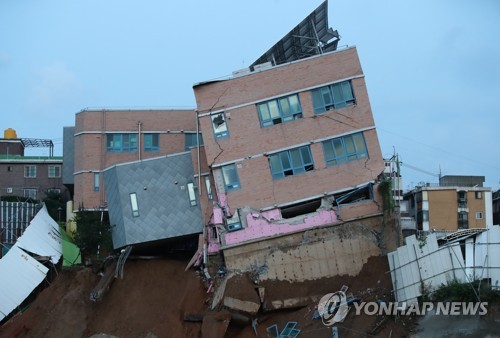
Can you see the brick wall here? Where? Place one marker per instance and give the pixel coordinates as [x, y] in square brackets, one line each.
[15, 179]
[90, 143]
[247, 138]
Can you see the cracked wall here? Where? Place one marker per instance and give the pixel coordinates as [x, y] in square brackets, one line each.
[329, 251]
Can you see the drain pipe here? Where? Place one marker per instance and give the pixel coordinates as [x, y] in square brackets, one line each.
[139, 140]
[198, 151]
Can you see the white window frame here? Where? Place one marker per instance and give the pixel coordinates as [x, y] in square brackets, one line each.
[97, 182]
[29, 191]
[31, 173]
[134, 204]
[191, 194]
[54, 173]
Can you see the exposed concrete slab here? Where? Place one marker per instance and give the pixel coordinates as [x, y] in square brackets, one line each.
[242, 305]
[241, 295]
[312, 254]
[219, 292]
[290, 303]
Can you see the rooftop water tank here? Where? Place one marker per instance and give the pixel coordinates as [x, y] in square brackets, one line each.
[9, 133]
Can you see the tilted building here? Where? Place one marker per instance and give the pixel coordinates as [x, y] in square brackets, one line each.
[290, 145]
[291, 141]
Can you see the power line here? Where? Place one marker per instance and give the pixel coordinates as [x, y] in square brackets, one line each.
[439, 149]
[418, 169]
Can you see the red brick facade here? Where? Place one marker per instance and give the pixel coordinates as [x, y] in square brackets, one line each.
[91, 155]
[249, 144]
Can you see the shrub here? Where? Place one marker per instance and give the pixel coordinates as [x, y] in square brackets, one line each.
[93, 232]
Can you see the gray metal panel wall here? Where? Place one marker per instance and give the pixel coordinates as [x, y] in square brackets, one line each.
[164, 207]
[114, 207]
[68, 155]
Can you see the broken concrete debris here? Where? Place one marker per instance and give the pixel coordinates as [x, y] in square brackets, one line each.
[240, 295]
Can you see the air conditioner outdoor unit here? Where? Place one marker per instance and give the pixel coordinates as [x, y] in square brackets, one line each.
[9, 190]
[233, 227]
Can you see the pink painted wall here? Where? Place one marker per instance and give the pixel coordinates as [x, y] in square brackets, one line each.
[223, 203]
[213, 248]
[217, 217]
[261, 227]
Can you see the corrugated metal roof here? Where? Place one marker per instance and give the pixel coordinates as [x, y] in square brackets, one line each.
[42, 237]
[20, 274]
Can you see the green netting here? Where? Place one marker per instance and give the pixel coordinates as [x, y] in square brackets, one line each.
[71, 253]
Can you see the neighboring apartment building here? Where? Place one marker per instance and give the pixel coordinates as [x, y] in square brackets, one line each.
[290, 140]
[28, 176]
[24, 177]
[456, 202]
[104, 137]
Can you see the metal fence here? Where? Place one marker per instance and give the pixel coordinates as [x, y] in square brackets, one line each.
[14, 218]
[422, 263]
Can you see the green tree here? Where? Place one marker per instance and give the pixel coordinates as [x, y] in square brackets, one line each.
[56, 205]
[93, 232]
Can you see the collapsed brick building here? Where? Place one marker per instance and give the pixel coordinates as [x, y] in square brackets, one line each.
[290, 146]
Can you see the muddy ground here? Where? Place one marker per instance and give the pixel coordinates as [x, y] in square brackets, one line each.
[155, 295]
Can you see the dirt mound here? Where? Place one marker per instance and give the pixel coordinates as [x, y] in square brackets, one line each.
[155, 295]
[151, 299]
[371, 284]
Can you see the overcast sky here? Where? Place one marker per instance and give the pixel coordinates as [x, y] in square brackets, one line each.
[432, 67]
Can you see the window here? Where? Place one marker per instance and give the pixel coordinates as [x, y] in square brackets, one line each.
[209, 187]
[219, 125]
[134, 205]
[479, 215]
[344, 149]
[291, 162]
[152, 143]
[10, 168]
[280, 110]
[479, 195]
[462, 199]
[54, 191]
[230, 175]
[335, 96]
[31, 193]
[97, 182]
[30, 171]
[54, 171]
[192, 140]
[121, 142]
[192, 194]
[463, 220]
